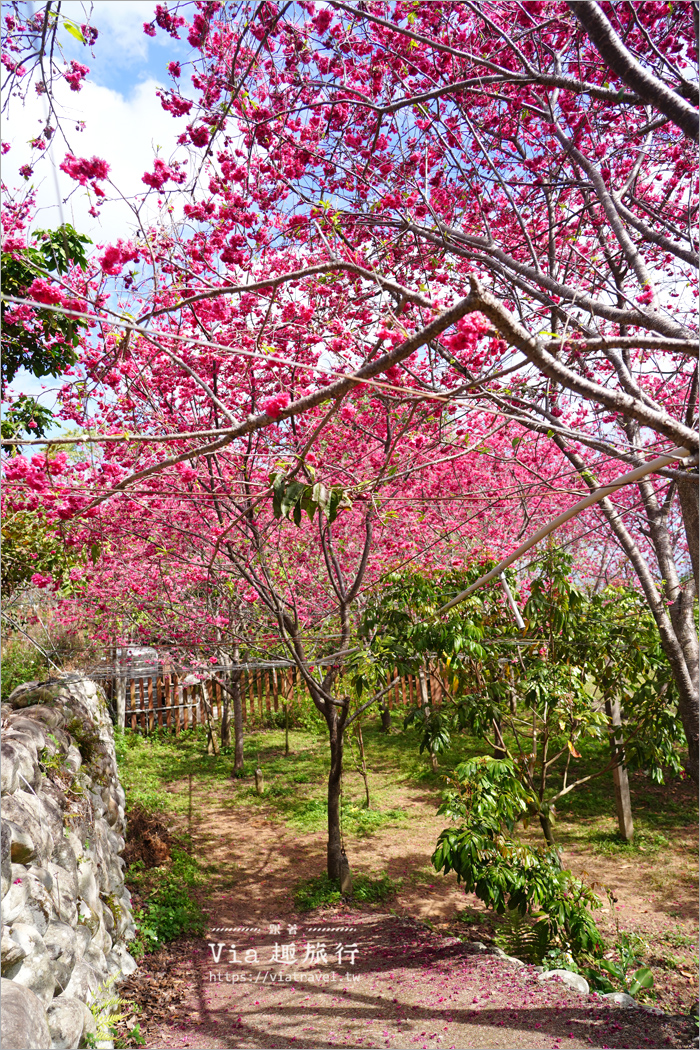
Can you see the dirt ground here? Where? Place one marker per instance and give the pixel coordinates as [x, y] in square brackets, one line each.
[410, 982]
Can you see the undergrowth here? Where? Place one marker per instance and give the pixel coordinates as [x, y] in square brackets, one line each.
[611, 844]
[169, 909]
[321, 890]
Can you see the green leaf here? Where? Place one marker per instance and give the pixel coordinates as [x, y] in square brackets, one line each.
[74, 30]
[320, 495]
[641, 978]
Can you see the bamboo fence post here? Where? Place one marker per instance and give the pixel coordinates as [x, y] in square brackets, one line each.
[176, 703]
[142, 697]
[185, 712]
[132, 704]
[149, 717]
[275, 689]
[159, 701]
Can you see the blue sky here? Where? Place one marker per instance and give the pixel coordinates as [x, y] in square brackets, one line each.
[124, 123]
[124, 55]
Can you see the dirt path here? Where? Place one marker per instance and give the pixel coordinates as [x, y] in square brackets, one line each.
[406, 985]
[408, 988]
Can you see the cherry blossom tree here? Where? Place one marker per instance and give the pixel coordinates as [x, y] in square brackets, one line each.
[485, 206]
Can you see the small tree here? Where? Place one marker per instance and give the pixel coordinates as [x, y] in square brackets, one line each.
[536, 695]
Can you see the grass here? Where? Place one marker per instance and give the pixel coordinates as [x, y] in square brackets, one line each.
[320, 891]
[611, 844]
[170, 908]
[155, 770]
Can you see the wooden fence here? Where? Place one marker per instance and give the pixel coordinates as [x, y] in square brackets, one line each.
[168, 702]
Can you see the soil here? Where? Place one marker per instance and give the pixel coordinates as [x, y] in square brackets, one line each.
[411, 982]
[149, 839]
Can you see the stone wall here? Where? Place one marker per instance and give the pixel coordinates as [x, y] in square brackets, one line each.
[66, 914]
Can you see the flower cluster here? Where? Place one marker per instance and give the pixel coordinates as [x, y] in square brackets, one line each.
[75, 74]
[163, 173]
[86, 171]
[274, 406]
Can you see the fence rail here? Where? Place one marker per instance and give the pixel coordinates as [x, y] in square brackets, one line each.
[169, 701]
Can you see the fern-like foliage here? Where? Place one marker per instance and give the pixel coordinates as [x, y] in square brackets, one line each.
[108, 1010]
[527, 937]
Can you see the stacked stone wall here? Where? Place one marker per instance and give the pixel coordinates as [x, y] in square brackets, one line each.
[66, 913]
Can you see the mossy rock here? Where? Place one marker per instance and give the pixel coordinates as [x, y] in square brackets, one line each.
[115, 906]
[30, 694]
[86, 737]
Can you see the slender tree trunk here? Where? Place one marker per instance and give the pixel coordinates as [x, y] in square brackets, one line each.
[334, 778]
[425, 702]
[688, 499]
[623, 802]
[237, 712]
[119, 688]
[677, 628]
[385, 715]
[498, 749]
[225, 705]
[546, 825]
[363, 764]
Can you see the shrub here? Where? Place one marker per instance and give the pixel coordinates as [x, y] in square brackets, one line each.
[21, 663]
[508, 875]
[170, 910]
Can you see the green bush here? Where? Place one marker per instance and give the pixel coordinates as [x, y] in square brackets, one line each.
[170, 910]
[319, 891]
[21, 663]
[508, 875]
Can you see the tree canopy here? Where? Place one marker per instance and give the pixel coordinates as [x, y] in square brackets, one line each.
[427, 267]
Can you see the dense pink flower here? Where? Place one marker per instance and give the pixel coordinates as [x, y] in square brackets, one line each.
[161, 174]
[75, 74]
[85, 170]
[199, 136]
[274, 406]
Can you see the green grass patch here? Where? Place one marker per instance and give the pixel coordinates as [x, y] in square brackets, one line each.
[322, 891]
[170, 909]
[611, 844]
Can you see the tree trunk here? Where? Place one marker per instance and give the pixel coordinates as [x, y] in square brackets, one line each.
[498, 749]
[363, 764]
[334, 778]
[119, 691]
[286, 727]
[547, 829]
[225, 719]
[385, 715]
[425, 704]
[225, 662]
[623, 803]
[688, 499]
[237, 713]
[677, 629]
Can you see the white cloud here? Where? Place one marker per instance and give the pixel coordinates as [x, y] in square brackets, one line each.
[120, 25]
[126, 132]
